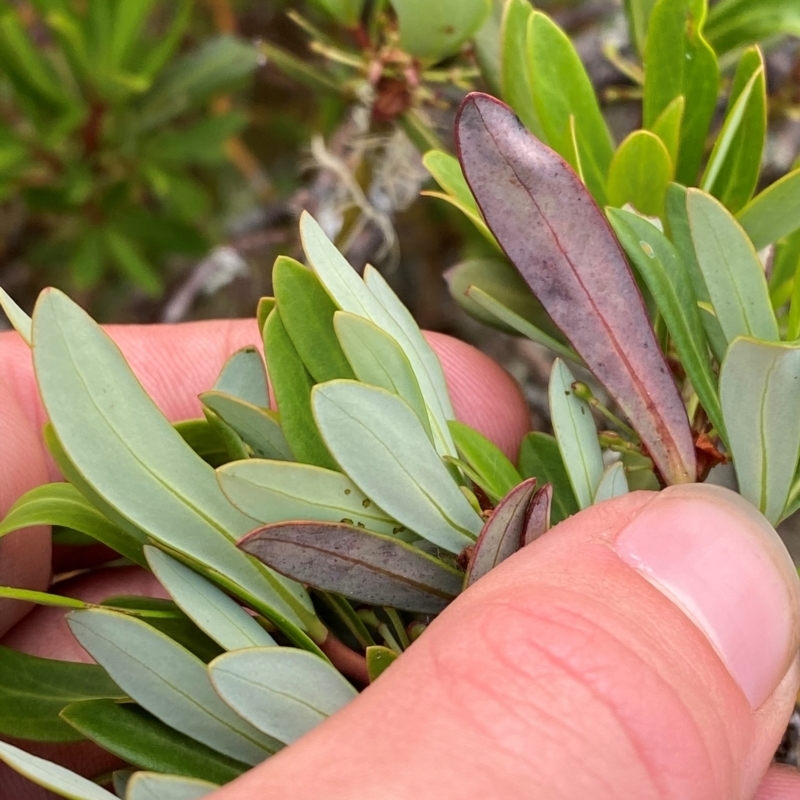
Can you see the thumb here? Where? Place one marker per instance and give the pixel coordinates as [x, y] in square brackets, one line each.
[644, 649]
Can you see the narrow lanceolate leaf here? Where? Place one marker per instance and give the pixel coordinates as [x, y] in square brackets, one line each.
[277, 491]
[503, 532]
[667, 126]
[60, 780]
[732, 270]
[168, 681]
[379, 442]
[244, 376]
[774, 213]
[125, 450]
[20, 321]
[540, 458]
[638, 13]
[62, 504]
[735, 23]
[639, 174]
[137, 737]
[282, 691]
[258, 427]
[759, 391]
[220, 617]
[153, 786]
[560, 242]
[361, 565]
[34, 690]
[668, 279]
[612, 484]
[576, 435]
[537, 520]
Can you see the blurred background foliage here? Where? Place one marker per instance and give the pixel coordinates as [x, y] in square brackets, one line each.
[155, 154]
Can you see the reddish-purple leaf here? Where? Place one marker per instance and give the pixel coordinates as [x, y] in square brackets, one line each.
[501, 536]
[537, 517]
[357, 563]
[554, 233]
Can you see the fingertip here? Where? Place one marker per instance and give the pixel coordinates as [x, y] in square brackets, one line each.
[781, 782]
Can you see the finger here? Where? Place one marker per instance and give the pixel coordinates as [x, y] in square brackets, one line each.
[643, 650]
[780, 783]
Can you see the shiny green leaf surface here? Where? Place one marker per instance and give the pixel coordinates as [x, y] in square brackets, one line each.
[774, 213]
[667, 126]
[640, 172]
[379, 659]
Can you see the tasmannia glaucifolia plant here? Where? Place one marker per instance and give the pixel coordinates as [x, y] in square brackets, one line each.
[305, 544]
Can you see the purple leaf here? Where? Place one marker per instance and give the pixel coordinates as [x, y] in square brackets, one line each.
[361, 565]
[537, 517]
[501, 536]
[557, 237]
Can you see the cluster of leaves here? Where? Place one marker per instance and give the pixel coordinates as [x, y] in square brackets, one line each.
[101, 140]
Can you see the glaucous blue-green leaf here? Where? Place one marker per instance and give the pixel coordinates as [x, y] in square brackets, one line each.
[220, 617]
[364, 566]
[20, 321]
[576, 435]
[540, 458]
[502, 534]
[736, 23]
[282, 691]
[129, 454]
[168, 681]
[279, 491]
[258, 427]
[381, 445]
[137, 737]
[561, 88]
[534, 203]
[348, 12]
[243, 375]
[537, 518]
[667, 126]
[379, 658]
[514, 64]
[235, 448]
[433, 31]
[62, 504]
[732, 270]
[153, 786]
[640, 172]
[759, 389]
[57, 779]
[638, 14]
[612, 484]
[307, 314]
[34, 690]
[678, 61]
[378, 360]
[732, 171]
[665, 274]
[774, 213]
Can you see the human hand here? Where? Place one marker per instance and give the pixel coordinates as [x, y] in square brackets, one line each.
[565, 673]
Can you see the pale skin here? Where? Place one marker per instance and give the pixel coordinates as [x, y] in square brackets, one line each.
[563, 674]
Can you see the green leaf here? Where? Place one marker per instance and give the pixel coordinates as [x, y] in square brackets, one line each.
[561, 89]
[307, 314]
[291, 384]
[19, 320]
[736, 23]
[363, 566]
[733, 168]
[503, 532]
[153, 786]
[168, 681]
[279, 491]
[379, 659]
[129, 20]
[667, 126]
[639, 174]
[62, 504]
[265, 306]
[515, 69]
[137, 737]
[540, 458]
[668, 280]
[497, 473]
[612, 484]
[638, 14]
[732, 271]
[488, 47]
[379, 442]
[52, 776]
[378, 360]
[759, 392]
[203, 439]
[244, 376]
[126, 451]
[576, 435]
[130, 262]
[282, 691]
[220, 617]
[34, 690]
[257, 427]
[774, 213]
[202, 144]
[431, 32]
[678, 61]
